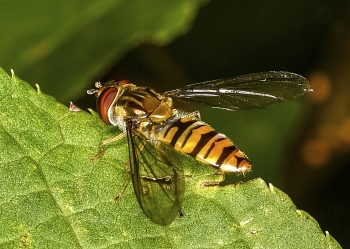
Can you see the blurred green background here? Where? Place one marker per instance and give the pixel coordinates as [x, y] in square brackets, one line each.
[302, 147]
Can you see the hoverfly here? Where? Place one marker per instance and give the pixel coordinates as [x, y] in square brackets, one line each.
[155, 129]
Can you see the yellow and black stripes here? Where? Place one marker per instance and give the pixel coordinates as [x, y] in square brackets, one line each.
[186, 135]
[202, 142]
[141, 99]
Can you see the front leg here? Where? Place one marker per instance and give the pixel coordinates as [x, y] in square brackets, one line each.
[114, 139]
[108, 141]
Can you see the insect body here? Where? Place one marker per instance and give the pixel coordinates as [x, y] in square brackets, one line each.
[156, 130]
[202, 142]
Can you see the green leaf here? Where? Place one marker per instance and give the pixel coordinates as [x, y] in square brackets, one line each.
[53, 196]
[83, 38]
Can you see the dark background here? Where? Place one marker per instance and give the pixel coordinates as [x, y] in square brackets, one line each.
[238, 37]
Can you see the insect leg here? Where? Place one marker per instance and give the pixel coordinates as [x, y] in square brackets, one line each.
[126, 182]
[181, 214]
[127, 165]
[102, 149]
[209, 184]
[193, 115]
[214, 183]
[114, 139]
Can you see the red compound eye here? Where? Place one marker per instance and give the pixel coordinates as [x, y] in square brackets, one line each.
[123, 82]
[104, 102]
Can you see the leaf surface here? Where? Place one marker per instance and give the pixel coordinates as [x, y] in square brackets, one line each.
[53, 196]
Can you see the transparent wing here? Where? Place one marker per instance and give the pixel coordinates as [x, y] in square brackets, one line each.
[157, 177]
[258, 90]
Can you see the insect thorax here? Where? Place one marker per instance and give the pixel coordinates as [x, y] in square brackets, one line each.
[144, 104]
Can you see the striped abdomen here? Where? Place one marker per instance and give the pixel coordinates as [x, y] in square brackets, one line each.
[202, 142]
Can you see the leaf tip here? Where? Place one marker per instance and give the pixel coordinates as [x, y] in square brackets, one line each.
[92, 111]
[271, 187]
[298, 212]
[38, 88]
